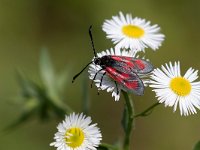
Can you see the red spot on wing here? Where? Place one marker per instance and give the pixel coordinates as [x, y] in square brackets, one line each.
[132, 84]
[117, 58]
[126, 79]
[121, 58]
[140, 64]
[119, 77]
[124, 59]
[133, 64]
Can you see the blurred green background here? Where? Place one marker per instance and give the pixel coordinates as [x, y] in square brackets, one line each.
[62, 26]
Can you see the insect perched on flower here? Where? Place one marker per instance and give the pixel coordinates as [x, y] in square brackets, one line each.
[123, 70]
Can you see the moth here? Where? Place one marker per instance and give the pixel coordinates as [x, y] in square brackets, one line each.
[122, 69]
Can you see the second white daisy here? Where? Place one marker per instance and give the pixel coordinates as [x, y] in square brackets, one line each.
[172, 89]
[77, 133]
[134, 33]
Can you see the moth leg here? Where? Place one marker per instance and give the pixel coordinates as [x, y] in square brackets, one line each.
[117, 88]
[102, 78]
[101, 81]
[95, 77]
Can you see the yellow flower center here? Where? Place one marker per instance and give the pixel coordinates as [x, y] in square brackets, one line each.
[180, 86]
[74, 137]
[133, 31]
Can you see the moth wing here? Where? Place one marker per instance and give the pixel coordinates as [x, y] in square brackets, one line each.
[129, 64]
[129, 82]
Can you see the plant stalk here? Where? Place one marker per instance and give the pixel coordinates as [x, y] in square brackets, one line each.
[130, 120]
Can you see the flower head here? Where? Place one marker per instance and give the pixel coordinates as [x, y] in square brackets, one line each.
[105, 82]
[77, 133]
[172, 89]
[134, 33]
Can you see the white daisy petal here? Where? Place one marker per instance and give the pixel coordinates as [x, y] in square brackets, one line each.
[77, 133]
[175, 90]
[132, 33]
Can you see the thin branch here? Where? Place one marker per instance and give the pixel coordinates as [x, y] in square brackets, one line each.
[147, 111]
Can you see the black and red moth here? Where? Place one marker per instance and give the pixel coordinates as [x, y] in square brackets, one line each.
[122, 69]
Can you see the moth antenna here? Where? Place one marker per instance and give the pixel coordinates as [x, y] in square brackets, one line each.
[81, 71]
[91, 38]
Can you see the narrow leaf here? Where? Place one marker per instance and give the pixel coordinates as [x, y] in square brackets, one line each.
[28, 88]
[197, 146]
[29, 111]
[61, 81]
[46, 69]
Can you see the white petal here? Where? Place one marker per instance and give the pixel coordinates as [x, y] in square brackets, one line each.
[151, 38]
[160, 82]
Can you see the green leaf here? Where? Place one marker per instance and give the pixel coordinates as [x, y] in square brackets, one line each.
[102, 148]
[28, 88]
[43, 102]
[61, 81]
[197, 146]
[48, 76]
[46, 70]
[26, 115]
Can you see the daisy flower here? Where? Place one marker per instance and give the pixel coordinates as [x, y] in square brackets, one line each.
[108, 83]
[172, 89]
[134, 33]
[77, 133]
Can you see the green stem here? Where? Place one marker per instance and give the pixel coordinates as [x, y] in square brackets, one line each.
[130, 121]
[107, 146]
[147, 111]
